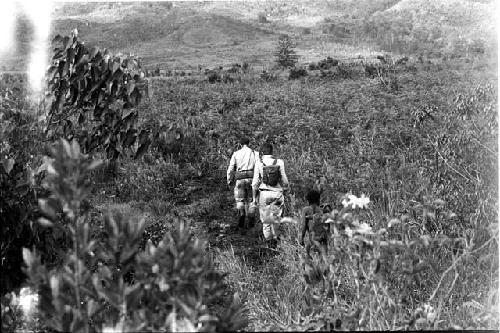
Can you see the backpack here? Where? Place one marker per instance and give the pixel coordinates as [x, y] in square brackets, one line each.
[271, 174]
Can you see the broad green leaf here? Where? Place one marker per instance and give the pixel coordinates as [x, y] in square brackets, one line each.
[130, 88]
[92, 307]
[393, 222]
[70, 58]
[126, 113]
[45, 222]
[116, 66]
[93, 52]
[94, 165]
[142, 150]
[46, 208]
[67, 147]
[28, 257]
[66, 42]
[8, 164]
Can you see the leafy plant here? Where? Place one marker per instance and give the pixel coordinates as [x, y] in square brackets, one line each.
[296, 73]
[93, 98]
[21, 142]
[114, 284]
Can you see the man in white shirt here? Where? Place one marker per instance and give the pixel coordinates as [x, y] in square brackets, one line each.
[268, 184]
[240, 174]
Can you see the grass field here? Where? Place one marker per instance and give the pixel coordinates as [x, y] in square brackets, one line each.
[358, 136]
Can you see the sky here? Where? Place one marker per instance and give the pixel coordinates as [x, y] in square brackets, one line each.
[39, 13]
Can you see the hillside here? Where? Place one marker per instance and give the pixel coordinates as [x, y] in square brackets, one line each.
[188, 34]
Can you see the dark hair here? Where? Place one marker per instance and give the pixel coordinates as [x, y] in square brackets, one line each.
[313, 197]
[267, 149]
[244, 140]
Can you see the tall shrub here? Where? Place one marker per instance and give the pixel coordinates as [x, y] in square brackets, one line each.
[114, 284]
[286, 56]
[93, 97]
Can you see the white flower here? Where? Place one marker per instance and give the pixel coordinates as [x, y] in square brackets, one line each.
[361, 202]
[430, 313]
[364, 228]
[28, 301]
[288, 220]
[116, 329]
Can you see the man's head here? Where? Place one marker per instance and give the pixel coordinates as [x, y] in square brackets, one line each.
[244, 141]
[267, 149]
[313, 197]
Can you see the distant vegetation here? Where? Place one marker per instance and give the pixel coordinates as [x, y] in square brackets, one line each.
[171, 35]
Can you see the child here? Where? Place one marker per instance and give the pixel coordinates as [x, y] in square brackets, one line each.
[312, 221]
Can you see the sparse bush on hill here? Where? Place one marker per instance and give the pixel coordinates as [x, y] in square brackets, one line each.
[267, 76]
[324, 64]
[296, 73]
[328, 63]
[213, 77]
[285, 54]
[312, 66]
[262, 17]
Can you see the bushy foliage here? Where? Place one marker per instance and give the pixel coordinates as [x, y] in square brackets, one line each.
[324, 64]
[21, 141]
[93, 95]
[296, 73]
[114, 283]
[213, 76]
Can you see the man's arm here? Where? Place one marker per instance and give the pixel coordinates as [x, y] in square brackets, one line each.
[230, 170]
[284, 178]
[305, 226]
[255, 181]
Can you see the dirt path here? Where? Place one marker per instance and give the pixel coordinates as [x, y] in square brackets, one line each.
[209, 207]
[212, 208]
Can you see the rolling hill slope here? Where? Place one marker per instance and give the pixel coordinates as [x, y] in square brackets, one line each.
[188, 34]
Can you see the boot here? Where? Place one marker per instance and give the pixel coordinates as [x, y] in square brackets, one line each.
[272, 243]
[241, 222]
[251, 222]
